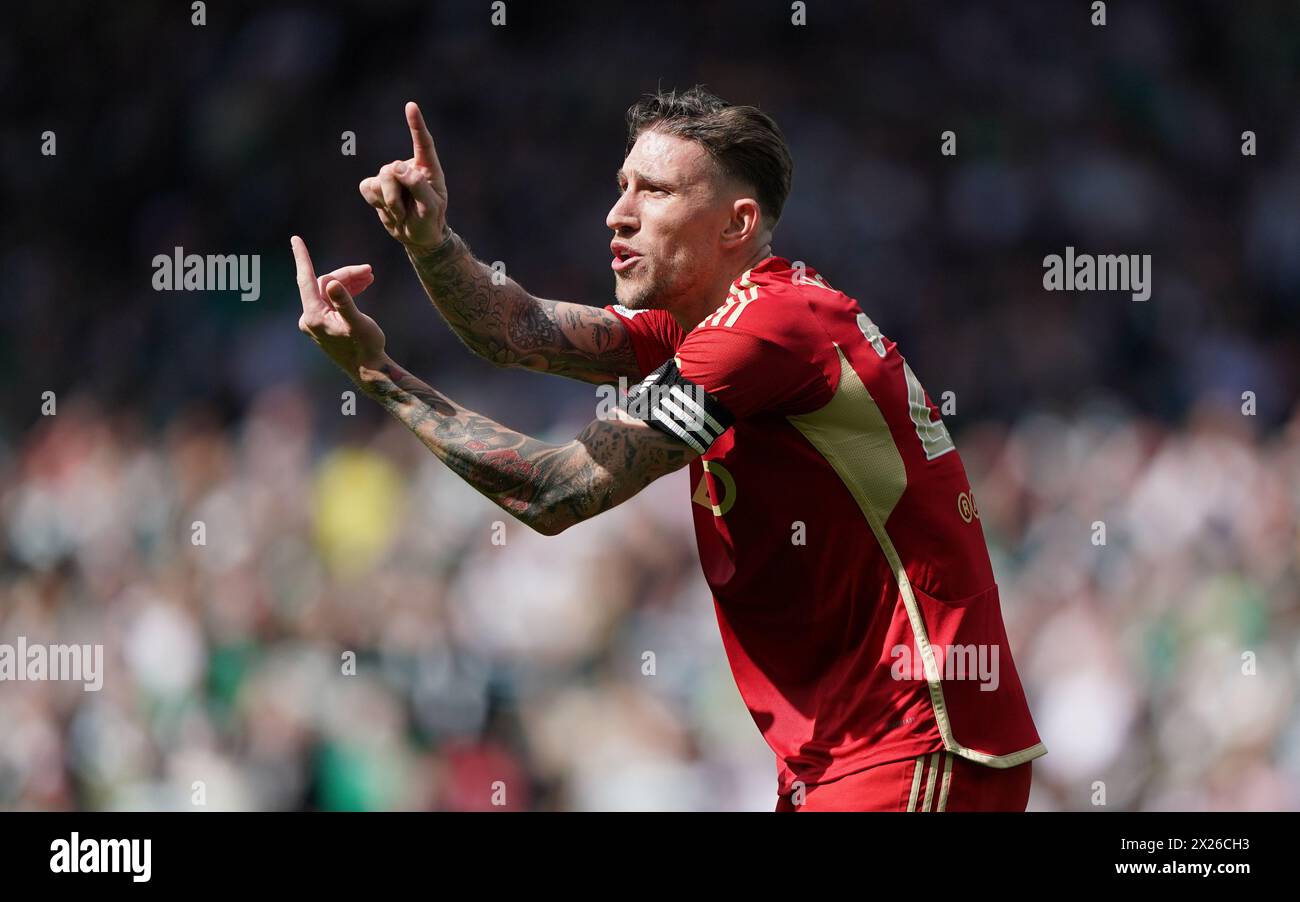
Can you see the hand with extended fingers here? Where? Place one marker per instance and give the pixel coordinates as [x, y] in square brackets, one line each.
[330, 315]
[410, 196]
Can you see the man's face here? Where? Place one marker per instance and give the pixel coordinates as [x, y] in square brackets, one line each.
[667, 221]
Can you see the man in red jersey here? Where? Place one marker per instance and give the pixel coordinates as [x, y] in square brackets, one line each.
[836, 526]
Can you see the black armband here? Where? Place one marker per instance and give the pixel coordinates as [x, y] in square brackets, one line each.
[675, 405]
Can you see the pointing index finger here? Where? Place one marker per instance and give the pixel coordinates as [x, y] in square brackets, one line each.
[306, 272]
[301, 258]
[421, 140]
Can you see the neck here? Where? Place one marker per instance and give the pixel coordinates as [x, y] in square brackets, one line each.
[690, 311]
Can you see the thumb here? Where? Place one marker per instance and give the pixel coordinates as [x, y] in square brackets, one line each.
[414, 180]
[341, 301]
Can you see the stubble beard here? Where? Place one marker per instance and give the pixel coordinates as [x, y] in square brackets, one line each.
[649, 290]
[639, 294]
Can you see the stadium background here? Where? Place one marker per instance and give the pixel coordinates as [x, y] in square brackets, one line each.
[523, 663]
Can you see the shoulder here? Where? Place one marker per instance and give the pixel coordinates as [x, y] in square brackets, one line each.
[781, 304]
[766, 347]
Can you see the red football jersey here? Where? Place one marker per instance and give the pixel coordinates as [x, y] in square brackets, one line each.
[837, 530]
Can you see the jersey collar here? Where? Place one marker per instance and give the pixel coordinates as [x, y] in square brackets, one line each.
[770, 263]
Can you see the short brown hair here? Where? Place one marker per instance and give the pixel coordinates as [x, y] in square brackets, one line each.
[743, 140]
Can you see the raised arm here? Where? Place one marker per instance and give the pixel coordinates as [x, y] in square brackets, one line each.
[501, 322]
[546, 486]
[510, 327]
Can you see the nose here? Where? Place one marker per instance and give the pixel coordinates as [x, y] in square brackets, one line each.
[622, 216]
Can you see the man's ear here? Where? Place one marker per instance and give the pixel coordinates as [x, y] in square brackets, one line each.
[746, 221]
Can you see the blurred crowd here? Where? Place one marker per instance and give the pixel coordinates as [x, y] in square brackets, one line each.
[350, 636]
[357, 629]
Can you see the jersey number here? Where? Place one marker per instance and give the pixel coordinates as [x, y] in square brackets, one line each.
[933, 434]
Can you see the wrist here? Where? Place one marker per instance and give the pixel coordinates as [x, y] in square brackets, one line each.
[446, 246]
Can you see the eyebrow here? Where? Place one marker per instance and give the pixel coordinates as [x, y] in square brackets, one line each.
[641, 176]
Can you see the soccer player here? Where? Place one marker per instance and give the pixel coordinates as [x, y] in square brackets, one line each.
[836, 526]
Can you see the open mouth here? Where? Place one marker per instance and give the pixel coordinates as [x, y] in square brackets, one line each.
[624, 258]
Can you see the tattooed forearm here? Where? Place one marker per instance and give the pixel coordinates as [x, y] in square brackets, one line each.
[462, 290]
[548, 487]
[508, 326]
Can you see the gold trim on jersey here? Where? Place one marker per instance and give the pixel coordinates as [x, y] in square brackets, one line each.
[947, 782]
[929, 781]
[739, 296]
[852, 435]
[916, 783]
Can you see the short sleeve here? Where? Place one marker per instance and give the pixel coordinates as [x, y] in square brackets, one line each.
[719, 376]
[654, 334]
